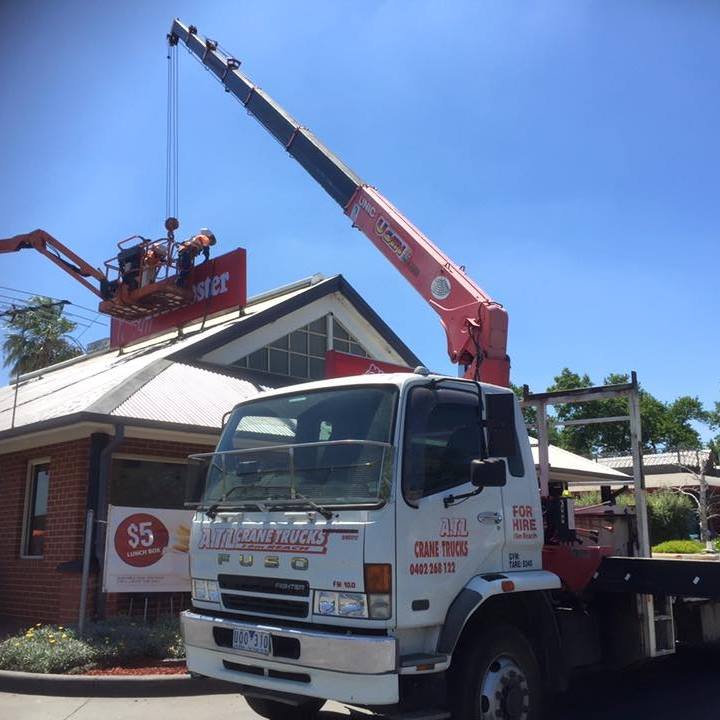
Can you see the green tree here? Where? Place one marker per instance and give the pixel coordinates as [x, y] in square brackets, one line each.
[530, 417]
[713, 420]
[664, 425]
[37, 338]
[671, 515]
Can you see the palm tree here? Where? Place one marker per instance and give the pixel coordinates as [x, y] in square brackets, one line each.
[36, 338]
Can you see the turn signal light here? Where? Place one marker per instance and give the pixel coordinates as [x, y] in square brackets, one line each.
[378, 578]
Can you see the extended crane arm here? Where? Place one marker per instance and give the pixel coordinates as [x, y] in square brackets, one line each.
[54, 250]
[475, 325]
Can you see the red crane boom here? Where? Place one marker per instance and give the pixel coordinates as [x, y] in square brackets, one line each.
[476, 326]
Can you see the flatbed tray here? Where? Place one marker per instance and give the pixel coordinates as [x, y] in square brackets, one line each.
[680, 577]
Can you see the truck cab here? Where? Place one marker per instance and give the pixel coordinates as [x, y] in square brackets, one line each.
[347, 535]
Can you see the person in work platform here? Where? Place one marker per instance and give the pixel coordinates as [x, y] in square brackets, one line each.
[189, 250]
[154, 256]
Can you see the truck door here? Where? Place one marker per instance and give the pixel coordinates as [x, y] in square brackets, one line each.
[442, 544]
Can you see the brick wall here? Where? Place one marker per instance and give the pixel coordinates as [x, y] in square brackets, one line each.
[33, 590]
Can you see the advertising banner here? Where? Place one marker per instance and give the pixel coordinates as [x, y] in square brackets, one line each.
[339, 364]
[219, 284]
[146, 550]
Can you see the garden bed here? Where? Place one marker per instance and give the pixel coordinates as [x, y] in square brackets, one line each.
[106, 648]
[143, 666]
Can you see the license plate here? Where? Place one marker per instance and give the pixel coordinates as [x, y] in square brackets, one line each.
[255, 641]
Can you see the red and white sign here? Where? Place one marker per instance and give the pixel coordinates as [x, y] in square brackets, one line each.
[219, 284]
[339, 364]
[146, 550]
[141, 539]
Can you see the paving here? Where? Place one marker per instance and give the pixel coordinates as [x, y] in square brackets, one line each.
[680, 686]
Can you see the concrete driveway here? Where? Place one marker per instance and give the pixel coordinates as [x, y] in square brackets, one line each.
[684, 686]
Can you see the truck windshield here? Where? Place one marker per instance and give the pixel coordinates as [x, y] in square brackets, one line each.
[323, 448]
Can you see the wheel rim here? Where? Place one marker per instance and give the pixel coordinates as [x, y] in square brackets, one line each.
[504, 691]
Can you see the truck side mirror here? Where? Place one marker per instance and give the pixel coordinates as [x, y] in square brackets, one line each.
[195, 480]
[488, 473]
[500, 423]
[225, 419]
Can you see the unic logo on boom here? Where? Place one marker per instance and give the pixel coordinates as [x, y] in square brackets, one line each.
[392, 239]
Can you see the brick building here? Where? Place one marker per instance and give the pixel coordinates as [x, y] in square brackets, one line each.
[116, 427]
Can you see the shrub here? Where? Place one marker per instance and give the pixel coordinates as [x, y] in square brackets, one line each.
[46, 649]
[671, 515]
[585, 499]
[679, 546]
[55, 649]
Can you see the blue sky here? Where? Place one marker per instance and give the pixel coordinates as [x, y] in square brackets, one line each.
[566, 152]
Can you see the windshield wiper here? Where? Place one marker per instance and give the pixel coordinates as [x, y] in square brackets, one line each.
[325, 512]
[212, 511]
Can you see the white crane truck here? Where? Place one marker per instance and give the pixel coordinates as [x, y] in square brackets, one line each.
[383, 540]
[378, 540]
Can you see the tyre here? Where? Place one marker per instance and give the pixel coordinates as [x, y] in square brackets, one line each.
[497, 677]
[274, 710]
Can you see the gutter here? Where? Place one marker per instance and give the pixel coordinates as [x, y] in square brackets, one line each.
[103, 480]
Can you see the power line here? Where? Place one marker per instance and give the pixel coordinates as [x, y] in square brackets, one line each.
[25, 292]
[13, 308]
[32, 308]
[65, 302]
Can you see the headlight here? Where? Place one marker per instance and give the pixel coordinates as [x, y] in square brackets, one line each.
[340, 604]
[379, 607]
[205, 590]
[326, 603]
[352, 605]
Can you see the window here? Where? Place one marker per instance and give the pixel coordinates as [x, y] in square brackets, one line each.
[147, 483]
[36, 506]
[301, 354]
[290, 448]
[442, 436]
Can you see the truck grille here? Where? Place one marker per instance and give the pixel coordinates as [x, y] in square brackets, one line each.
[270, 585]
[268, 606]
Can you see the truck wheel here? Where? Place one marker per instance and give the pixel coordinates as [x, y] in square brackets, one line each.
[274, 710]
[497, 677]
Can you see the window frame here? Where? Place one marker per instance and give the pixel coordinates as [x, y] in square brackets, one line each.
[474, 391]
[30, 476]
[140, 457]
[339, 338]
[394, 391]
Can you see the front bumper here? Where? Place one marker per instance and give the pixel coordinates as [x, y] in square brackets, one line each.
[358, 669]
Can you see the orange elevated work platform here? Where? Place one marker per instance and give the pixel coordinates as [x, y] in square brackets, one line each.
[154, 299]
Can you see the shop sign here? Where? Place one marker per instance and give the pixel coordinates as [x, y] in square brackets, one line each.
[219, 284]
[339, 364]
[146, 550]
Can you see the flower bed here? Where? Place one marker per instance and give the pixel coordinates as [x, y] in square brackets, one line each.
[111, 643]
